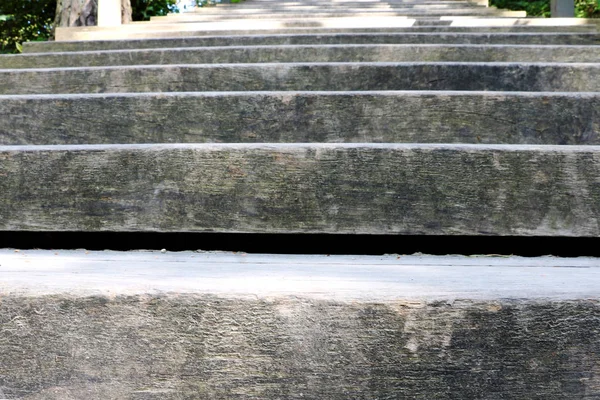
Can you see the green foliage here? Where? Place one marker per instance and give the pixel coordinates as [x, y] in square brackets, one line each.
[24, 20]
[536, 8]
[32, 20]
[541, 8]
[142, 10]
[587, 8]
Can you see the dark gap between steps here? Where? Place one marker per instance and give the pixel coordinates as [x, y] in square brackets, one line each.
[304, 243]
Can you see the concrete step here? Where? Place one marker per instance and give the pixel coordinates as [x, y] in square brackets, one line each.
[250, 13]
[411, 189]
[309, 117]
[351, 24]
[308, 9]
[337, 4]
[531, 77]
[418, 26]
[349, 3]
[151, 325]
[402, 12]
[531, 38]
[124, 136]
[307, 53]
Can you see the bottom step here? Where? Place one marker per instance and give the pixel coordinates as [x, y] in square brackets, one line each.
[154, 325]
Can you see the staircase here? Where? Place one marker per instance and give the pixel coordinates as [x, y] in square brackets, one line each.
[445, 119]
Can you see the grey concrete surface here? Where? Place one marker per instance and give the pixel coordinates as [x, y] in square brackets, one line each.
[170, 326]
[276, 117]
[308, 53]
[416, 189]
[534, 77]
[385, 278]
[531, 38]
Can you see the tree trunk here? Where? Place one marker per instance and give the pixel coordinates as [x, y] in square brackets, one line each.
[85, 12]
[125, 11]
[76, 13]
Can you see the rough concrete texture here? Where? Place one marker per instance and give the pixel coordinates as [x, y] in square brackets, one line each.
[419, 26]
[252, 8]
[575, 77]
[145, 326]
[307, 53]
[321, 188]
[145, 344]
[532, 38]
[189, 347]
[398, 12]
[276, 117]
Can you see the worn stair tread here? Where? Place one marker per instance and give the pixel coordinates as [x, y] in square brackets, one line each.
[101, 34]
[421, 26]
[151, 325]
[385, 278]
[416, 189]
[496, 76]
[308, 10]
[397, 12]
[568, 38]
[307, 53]
[272, 117]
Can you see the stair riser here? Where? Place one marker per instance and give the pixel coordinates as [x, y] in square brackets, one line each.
[533, 38]
[399, 12]
[341, 4]
[248, 11]
[419, 26]
[170, 347]
[302, 117]
[353, 53]
[318, 77]
[317, 188]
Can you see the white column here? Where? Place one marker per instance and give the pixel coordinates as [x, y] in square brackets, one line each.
[109, 12]
[562, 8]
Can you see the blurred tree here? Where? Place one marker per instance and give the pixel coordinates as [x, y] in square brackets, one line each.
[32, 20]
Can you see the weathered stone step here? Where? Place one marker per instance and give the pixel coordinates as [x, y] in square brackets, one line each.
[151, 325]
[414, 189]
[176, 29]
[563, 38]
[418, 26]
[253, 8]
[531, 77]
[329, 12]
[147, 30]
[307, 53]
[336, 5]
[399, 12]
[447, 117]
[350, 3]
